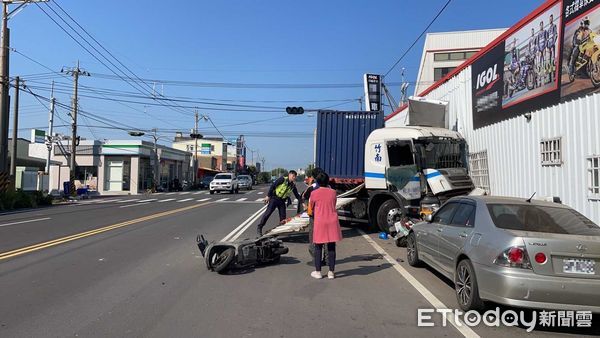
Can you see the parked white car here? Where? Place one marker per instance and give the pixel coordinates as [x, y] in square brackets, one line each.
[224, 182]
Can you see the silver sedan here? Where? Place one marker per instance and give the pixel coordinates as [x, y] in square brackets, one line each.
[523, 253]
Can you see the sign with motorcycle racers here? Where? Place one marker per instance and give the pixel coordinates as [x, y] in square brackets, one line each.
[581, 49]
[520, 73]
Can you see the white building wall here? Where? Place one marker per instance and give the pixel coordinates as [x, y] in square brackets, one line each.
[513, 146]
[448, 42]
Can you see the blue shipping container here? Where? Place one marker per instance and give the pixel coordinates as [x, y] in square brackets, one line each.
[340, 143]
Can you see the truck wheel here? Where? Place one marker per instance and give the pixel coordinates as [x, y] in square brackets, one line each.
[382, 214]
[222, 260]
[212, 192]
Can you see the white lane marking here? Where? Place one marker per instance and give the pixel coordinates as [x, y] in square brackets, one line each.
[185, 200]
[108, 201]
[148, 200]
[170, 193]
[249, 224]
[133, 205]
[166, 200]
[433, 300]
[197, 193]
[131, 200]
[204, 199]
[260, 199]
[223, 199]
[27, 221]
[261, 192]
[242, 199]
[234, 231]
[158, 193]
[184, 193]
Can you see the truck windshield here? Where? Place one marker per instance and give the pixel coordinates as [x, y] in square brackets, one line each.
[442, 153]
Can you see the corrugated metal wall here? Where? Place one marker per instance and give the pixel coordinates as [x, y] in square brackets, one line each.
[340, 141]
[513, 146]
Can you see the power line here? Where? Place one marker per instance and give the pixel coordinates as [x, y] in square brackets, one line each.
[419, 37]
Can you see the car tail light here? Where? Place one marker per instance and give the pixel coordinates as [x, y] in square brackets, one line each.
[540, 258]
[514, 257]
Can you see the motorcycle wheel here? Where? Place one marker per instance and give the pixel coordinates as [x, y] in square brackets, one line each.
[530, 80]
[223, 260]
[594, 72]
[401, 242]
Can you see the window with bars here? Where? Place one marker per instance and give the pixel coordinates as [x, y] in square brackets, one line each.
[594, 177]
[479, 170]
[550, 151]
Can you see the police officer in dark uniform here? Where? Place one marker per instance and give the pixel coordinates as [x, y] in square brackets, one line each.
[279, 192]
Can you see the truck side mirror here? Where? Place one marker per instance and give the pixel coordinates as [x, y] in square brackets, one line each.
[429, 218]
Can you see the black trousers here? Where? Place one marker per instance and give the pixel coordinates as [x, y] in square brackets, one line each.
[330, 256]
[274, 203]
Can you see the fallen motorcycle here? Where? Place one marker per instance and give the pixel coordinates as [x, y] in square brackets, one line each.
[223, 256]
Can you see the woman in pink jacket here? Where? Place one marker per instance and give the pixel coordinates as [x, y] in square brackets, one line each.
[326, 224]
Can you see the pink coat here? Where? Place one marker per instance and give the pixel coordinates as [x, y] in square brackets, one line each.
[326, 225]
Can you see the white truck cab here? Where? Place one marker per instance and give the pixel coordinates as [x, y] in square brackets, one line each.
[413, 169]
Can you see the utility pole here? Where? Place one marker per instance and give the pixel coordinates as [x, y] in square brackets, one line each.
[4, 85]
[50, 136]
[155, 167]
[360, 105]
[13, 160]
[196, 148]
[75, 72]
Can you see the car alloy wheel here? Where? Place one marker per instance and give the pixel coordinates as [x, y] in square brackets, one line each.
[464, 285]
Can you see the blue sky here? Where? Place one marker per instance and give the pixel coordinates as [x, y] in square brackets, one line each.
[248, 42]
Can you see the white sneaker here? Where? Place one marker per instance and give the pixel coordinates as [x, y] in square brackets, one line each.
[331, 275]
[316, 274]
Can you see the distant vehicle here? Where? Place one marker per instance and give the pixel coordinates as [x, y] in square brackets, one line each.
[224, 182]
[512, 251]
[205, 182]
[245, 182]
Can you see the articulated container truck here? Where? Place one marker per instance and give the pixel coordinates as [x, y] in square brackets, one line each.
[396, 173]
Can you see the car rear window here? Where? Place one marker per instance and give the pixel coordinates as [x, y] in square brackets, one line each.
[537, 218]
[223, 177]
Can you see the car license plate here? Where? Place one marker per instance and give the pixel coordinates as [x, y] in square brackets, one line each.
[579, 265]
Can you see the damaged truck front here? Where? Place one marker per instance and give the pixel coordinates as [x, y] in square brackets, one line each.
[410, 171]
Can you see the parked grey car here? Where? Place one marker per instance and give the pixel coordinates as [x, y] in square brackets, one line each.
[523, 253]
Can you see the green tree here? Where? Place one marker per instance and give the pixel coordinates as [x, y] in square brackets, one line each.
[263, 177]
[279, 172]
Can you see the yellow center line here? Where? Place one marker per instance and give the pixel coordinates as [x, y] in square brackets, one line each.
[62, 240]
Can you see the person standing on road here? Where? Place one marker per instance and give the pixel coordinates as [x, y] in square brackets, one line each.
[326, 225]
[276, 198]
[312, 186]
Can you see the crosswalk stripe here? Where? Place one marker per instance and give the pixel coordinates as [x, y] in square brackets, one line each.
[197, 193]
[131, 200]
[242, 199]
[204, 199]
[261, 192]
[170, 193]
[184, 193]
[166, 200]
[148, 200]
[259, 199]
[185, 200]
[223, 199]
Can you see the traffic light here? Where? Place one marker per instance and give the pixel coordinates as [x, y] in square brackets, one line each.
[294, 110]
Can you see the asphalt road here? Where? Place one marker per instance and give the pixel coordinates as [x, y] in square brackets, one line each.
[129, 266]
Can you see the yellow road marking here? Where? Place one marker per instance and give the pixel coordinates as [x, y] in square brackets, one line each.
[43, 245]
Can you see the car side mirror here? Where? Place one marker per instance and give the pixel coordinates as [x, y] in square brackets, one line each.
[429, 218]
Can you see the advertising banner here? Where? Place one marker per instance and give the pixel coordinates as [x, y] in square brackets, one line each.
[373, 92]
[581, 49]
[521, 73]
